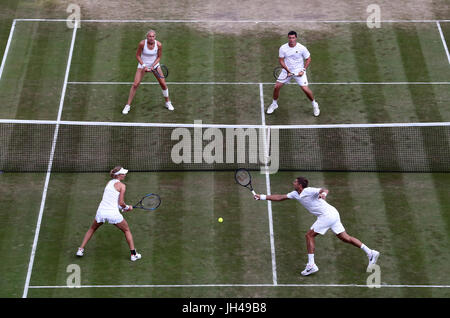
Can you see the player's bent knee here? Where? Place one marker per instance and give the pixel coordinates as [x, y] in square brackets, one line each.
[344, 237]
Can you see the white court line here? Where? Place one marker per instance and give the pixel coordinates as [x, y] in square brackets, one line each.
[258, 83]
[49, 168]
[205, 125]
[269, 203]
[239, 285]
[228, 21]
[444, 43]
[5, 54]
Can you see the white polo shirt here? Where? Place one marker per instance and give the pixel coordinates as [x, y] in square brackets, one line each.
[294, 56]
[309, 198]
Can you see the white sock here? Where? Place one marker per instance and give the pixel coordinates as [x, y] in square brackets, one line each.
[313, 102]
[366, 249]
[275, 102]
[165, 93]
[310, 259]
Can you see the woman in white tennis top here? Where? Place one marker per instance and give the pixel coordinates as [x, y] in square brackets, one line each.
[108, 211]
[148, 54]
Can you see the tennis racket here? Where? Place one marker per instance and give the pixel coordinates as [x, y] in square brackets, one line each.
[281, 74]
[244, 179]
[161, 71]
[149, 202]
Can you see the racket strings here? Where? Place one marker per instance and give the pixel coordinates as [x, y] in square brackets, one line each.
[162, 71]
[277, 72]
[243, 178]
[151, 202]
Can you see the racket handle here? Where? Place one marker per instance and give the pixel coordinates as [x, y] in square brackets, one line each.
[254, 193]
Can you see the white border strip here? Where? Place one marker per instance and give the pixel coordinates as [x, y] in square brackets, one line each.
[239, 285]
[444, 43]
[229, 21]
[269, 203]
[5, 54]
[175, 125]
[49, 168]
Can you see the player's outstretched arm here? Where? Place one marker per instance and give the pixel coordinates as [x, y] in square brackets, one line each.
[272, 197]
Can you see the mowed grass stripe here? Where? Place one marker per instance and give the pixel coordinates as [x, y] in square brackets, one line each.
[255, 232]
[45, 73]
[13, 77]
[434, 233]
[397, 103]
[198, 232]
[85, 52]
[373, 226]
[332, 62]
[184, 54]
[436, 60]
[20, 199]
[5, 29]
[412, 55]
[393, 202]
[441, 182]
[374, 100]
[424, 100]
[445, 27]
[229, 252]
[329, 140]
[402, 222]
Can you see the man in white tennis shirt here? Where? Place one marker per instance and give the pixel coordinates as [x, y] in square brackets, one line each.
[295, 59]
[313, 199]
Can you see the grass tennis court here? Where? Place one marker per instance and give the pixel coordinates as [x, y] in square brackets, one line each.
[395, 74]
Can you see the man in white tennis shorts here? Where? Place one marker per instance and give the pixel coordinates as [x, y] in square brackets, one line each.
[295, 59]
[313, 199]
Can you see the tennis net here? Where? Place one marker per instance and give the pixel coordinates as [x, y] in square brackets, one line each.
[67, 146]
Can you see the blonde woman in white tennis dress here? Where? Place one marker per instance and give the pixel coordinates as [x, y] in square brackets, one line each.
[108, 211]
[148, 54]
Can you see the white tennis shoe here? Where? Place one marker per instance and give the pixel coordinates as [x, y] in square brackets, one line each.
[316, 109]
[136, 257]
[310, 269]
[80, 252]
[373, 258]
[271, 108]
[126, 109]
[169, 106]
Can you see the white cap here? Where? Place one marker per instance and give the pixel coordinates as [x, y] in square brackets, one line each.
[121, 171]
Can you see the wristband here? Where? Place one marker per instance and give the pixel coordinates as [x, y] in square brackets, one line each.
[262, 197]
[144, 65]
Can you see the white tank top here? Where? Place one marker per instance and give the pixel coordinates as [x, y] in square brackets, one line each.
[149, 56]
[110, 200]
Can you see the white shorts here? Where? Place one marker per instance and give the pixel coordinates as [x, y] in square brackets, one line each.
[148, 65]
[301, 80]
[111, 218]
[328, 221]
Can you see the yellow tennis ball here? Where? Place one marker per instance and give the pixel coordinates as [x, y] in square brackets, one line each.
[220, 220]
